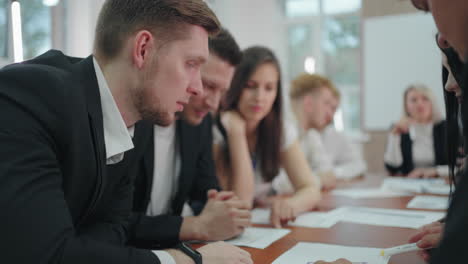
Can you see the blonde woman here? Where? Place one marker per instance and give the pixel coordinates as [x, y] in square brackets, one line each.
[416, 145]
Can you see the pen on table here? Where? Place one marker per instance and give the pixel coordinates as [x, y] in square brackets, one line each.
[399, 249]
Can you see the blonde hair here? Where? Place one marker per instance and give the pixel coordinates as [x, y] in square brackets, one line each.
[423, 89]
[306, 84]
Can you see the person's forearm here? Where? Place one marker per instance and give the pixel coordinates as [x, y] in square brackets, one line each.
[393, 156]
[305, 199]
[242, 180]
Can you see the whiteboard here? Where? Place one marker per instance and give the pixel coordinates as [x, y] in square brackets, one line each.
[398, 51]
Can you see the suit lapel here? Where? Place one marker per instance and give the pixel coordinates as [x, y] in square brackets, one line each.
[148, 161]
[85, 71]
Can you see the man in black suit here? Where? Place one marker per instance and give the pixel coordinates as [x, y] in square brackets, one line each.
[183, 152]
[63, 119]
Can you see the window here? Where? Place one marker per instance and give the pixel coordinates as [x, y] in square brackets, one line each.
[3, 29]
[300, 8]
[36, 25]
[333, 7]
[300, 45]
[327, 32]
[342, 60]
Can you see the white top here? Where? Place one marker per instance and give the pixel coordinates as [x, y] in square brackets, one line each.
[326, 151]
[346, 157]
[117, 138]
[262, 188]
[167, 163]
[423, 149]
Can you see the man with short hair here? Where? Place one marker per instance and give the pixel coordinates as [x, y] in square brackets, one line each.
[330, 154]
[178, 167]
[64, 119]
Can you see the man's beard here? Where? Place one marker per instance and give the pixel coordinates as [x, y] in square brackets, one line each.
[151, 109]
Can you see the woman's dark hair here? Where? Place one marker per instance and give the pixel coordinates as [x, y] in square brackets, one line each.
[270, 129]
[455, 133]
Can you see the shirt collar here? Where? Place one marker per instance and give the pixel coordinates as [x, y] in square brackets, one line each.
[117, 137]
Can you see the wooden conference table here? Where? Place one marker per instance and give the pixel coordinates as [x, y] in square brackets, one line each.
[347, 234]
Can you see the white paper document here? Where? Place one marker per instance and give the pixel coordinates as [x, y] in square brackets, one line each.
[429, 202]
[369, 193]
[385, 217]
[256, 237]
[260, 216]
[311, 219]
[429, 186]
[314, 220]
[309, 253]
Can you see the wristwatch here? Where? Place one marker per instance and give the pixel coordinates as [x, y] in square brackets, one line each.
[192, 253]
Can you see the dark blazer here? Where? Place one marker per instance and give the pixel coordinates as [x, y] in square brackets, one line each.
[197, 176]
[58, 203]
[440, 150]
[452, 248]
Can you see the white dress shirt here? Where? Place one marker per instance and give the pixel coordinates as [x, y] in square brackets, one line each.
[346, 157]
[167, 163]
[326, 151]
[117, 137]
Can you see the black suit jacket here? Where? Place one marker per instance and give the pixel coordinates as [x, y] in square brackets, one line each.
[440, 150]
[58, 203]
[197, 176]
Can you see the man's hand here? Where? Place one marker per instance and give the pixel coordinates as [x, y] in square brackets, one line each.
[282, 211]
[424, 173]
[428, 237]
[224, 216]
[223, 253]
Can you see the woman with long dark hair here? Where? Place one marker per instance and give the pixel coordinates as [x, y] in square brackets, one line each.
[251, 142]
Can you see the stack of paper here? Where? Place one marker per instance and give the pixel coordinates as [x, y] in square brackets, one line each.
[309, 253]
[369, 193]
[385, 217]
[359, 215]
[429, 202]
[258, 237]
[430, 186]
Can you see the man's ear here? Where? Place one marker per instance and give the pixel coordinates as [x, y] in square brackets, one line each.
[142, 48]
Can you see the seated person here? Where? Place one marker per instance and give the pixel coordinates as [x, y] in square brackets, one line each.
[330, 154]
[251, 142]
[416, 145]
[178, 167]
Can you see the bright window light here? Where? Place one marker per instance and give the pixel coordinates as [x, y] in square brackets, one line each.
[50, 2]
[333, 7]
[309, 65]
[17, 32]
